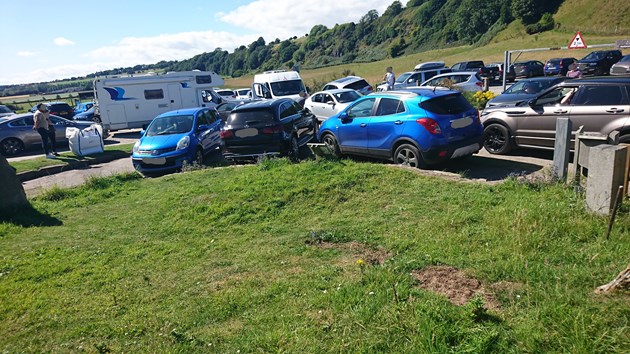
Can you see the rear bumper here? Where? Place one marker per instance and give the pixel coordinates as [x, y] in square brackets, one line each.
[251, 152]
[461, 148]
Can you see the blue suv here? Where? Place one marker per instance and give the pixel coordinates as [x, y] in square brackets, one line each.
[413, 127]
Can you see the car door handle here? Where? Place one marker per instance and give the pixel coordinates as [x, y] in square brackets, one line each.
[363, 125]
[560, 111]
[614, 110]
[398, 122]
[516, 113]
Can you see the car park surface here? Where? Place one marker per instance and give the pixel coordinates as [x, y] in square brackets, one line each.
[177, 137]
[325, 104]
[413, 127]
[600, 105]
[274, 127]
[17, 134]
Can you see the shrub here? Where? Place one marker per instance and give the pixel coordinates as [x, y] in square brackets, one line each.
[479, 99]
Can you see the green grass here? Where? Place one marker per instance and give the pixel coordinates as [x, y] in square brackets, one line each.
[222, 260]
[67, 158]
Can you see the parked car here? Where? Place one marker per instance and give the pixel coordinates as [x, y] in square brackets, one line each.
[350, 82]
[226, 94]
[324, 104]
[416, 77]
[86, 115]
[82, 107]
[463, 80]
[524, 90]
[243, 93]
[5, 111]
[473, 65]
[267, 128]
[413, 127]
[558, 66]
[598, 62]
[510, 76]
[17, 134]
[176, 137]
[622, 67]
[60, 109]
[529, 68]
[601, 105]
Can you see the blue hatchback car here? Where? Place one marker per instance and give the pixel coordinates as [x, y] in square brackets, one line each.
[413, 127]
[175, 137]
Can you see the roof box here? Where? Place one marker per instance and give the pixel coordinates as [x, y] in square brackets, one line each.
[429, 65]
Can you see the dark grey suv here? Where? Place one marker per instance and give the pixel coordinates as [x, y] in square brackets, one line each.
[601, 105]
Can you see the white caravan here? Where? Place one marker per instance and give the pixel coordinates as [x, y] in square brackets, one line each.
[133, 101]
[276, 84]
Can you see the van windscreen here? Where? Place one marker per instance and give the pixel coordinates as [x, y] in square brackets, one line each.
[287, 87]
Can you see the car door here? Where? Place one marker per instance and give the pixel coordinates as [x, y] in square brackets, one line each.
[60, 126]
[536, 123]
[600, 108]
[385, 126]
[352, 130]
[214, 123]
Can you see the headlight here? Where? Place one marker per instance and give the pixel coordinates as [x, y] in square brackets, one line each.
[136, 147]
[183, 143]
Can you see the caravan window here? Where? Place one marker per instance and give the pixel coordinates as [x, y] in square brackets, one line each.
[154, 94]
[203, 79]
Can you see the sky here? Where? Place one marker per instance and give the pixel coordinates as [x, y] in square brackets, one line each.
[43, 40]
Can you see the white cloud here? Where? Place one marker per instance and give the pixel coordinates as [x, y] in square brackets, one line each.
[60, 41]
[26, 53]
[287, 18]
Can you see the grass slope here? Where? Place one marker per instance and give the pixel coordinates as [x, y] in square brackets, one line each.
[219, 261]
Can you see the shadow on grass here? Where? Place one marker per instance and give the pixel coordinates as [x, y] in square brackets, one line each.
[28, 217]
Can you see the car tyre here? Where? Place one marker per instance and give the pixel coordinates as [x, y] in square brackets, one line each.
[496, 139]
[199, 157]
[294, 150]
[408, 155]
[12, 146]
[332, 145]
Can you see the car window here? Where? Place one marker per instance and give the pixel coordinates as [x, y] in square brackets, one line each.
[328, 87]
[328, 98]
[552, 97]
[57, 121]
[287, 110]
[260, 116]
[429, 74]
[599, 96]
[18, 123]
[358, 85]
[403, 77]
[348, 96]
[414, 78]
[202, 119]
[448, 104]
[387, 106]
[212, 116]
[362, 108]
[318, 98]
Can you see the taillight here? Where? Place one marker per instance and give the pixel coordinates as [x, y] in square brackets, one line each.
[226, 134]
[479, 83]
[430, 125]
[478, 117]
[272, 130]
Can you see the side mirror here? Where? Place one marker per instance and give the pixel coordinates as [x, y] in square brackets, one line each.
[344, 117]
[331, 103]
[532, 102]
[142, 132]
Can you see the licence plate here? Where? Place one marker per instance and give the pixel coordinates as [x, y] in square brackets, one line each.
[154, 161]
[462, 122]
[245, 133]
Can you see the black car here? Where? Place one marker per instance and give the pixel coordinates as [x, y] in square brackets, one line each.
[267, 128]
[529, 68]
[598, 62]
[60, 109]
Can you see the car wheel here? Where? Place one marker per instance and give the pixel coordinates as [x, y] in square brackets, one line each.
[624, 139]
[199, 157]
[496, 139]
[408, 155]
[331, 143]
[294, 150]
[12, 146]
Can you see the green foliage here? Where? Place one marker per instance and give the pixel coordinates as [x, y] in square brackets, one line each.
[546, 23]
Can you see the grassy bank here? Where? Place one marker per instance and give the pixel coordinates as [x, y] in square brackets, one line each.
[309, 257]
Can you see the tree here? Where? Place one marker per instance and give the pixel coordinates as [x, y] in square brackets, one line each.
[394, 9]
[369, 17]
[526, 10]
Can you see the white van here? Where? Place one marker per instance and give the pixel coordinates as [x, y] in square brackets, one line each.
[421, 73]
[133, 101]
[276, 84]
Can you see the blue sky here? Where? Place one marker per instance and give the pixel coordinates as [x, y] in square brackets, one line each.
[44, 40]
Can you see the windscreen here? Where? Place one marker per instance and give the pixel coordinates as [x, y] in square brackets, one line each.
[594, 56]
[287, 87]
[345, 97]
[254, 117]
[170, 125]
[5, 109]
[449, 104]
[403, 77]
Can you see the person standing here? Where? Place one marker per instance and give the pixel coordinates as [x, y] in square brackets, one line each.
[40, 124]
[52, 134]
[301, 98]
[389, 78]
[574, 72]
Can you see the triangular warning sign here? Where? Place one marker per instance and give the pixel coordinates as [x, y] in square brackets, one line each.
[577, 42]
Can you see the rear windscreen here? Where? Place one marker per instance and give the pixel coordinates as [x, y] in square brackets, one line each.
[450, 104]
[255, 117]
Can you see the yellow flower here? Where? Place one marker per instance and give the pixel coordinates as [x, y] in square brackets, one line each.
[360, 262]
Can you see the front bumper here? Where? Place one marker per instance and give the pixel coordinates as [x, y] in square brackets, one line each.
[160, 163]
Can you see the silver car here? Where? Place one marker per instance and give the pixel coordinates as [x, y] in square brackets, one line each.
[324, 104]
[601, 105]
[17, 134]
[622, 67]
[463, 80]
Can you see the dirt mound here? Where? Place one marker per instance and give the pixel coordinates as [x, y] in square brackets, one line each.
[454, 284]
[374, 256]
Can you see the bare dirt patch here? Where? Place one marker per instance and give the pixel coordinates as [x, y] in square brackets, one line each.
[373, 256]
[454, 284]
